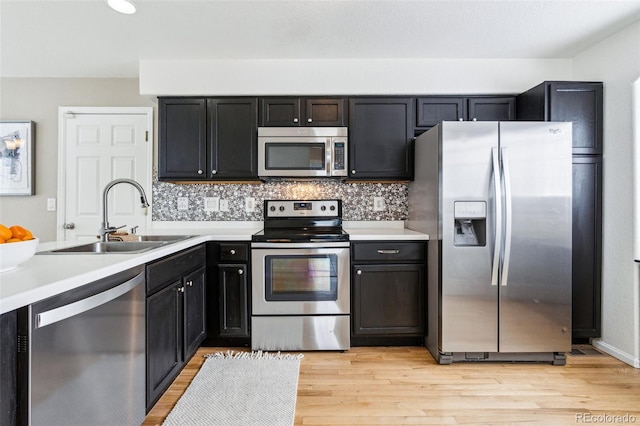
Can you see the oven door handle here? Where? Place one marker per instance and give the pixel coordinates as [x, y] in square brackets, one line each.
[310, 245]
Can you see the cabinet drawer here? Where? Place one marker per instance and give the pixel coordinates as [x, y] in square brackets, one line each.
[389, 251]
[172, 267]
[230, 252]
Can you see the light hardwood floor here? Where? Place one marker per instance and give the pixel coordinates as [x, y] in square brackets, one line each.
[404, 385]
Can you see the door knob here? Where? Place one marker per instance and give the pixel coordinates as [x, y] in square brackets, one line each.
[240, 272]
[309, 120]
[69, 225]
[232, 251]
[359, 272]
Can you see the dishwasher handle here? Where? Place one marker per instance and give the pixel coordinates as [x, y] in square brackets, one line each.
[76, 308]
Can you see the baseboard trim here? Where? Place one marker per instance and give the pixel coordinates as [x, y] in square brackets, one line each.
[616, 353]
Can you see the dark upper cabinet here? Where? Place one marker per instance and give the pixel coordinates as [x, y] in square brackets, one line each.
[290, 111]
[207, 139]
[578, 102]
[233, 146]
[182, 140]
[432, 110]
[491, 108]
[587, 246]
[380, 138]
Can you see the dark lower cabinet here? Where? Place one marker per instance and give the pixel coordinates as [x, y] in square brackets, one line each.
[9, 368]
[587, 246]
[176, 324]
[388, 285]
[233, 300]
[228, 293]
[164, 340]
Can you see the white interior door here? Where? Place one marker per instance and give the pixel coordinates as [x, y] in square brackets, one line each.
[98, 145]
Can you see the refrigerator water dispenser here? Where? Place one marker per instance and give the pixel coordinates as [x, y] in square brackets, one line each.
[470, 223]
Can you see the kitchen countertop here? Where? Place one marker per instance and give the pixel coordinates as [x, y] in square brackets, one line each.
[44, 276]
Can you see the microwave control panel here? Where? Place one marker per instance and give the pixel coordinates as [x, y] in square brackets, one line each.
[339, 155]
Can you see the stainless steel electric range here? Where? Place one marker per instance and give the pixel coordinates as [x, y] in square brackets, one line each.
[300, 277]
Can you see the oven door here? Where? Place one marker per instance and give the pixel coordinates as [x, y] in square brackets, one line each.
[300, 278]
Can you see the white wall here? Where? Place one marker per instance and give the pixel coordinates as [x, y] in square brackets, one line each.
[347, 76]
[616, 62]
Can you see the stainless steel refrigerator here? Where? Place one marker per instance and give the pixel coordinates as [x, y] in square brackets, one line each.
[495, 199]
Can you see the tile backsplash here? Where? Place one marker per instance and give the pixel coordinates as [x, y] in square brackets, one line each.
[357, 199]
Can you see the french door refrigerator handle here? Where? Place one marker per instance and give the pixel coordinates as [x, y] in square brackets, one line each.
[508, 216]
[498, 216]
[76, 308]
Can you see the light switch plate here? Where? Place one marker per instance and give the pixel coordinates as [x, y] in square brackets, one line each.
[211, 204]
[183, 203]
[51, 204]
[378, 204]
[224, 205]
[250, 204]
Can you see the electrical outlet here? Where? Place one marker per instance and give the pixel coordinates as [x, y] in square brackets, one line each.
[224, 205]
[51, 204]
[183, 203]
[211, 204]
[250, 204]
[378, 204]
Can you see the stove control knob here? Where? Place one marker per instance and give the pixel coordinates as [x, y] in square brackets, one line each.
[332, 208]
[323, 208]
[281, 208]
[272, 208]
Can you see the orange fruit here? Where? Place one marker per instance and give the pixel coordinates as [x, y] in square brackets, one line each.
[2, 241]
[5, 232]
[14, 240]
[28, 235]
[18, 232]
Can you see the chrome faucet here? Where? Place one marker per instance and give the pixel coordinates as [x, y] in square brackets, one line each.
[105, 229]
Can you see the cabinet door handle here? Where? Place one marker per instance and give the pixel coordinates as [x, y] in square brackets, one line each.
[232, 251]
[295, 120]
[240, 272]
[190, 283]
[213, 172]
[199, 172]
[392, 251]
[309, 120]
[353, 172]
[181, 289]
[359, 272]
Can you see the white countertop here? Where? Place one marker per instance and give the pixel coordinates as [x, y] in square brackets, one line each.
[44, 276]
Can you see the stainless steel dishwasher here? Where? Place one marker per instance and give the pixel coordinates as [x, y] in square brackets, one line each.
[82, 354]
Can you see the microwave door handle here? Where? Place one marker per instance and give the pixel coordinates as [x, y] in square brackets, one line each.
[328, 161]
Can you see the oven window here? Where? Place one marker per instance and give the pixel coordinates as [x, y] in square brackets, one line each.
[292, 156]
[301, 277]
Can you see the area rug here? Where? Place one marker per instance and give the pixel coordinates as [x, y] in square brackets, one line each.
[241, 388]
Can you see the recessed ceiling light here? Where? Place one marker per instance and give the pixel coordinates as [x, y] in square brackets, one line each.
[123, 6]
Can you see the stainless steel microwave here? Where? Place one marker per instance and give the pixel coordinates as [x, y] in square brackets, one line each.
[302, 152]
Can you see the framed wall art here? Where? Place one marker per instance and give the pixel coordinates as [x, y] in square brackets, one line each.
[17, 158]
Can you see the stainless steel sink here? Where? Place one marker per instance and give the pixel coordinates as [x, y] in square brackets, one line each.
[113, 247]
[162, 238]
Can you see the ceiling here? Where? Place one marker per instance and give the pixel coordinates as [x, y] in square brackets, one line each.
[85, 38]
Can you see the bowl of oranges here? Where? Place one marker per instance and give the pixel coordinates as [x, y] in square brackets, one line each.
[17, 245]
